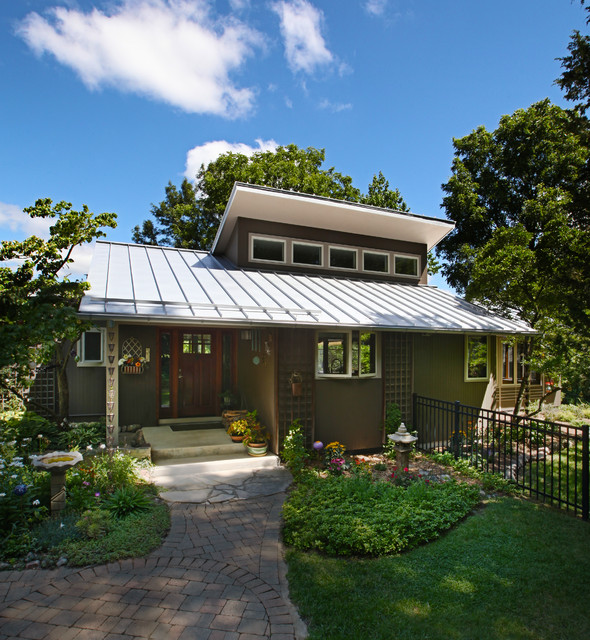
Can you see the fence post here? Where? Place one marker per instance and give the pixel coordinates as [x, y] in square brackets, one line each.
[457, 428]
[585, 472]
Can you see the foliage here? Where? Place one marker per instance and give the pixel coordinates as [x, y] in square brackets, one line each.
[575, 414]
[189, 216]
[94, 523]
[130, 537]
[38, 308]
[484, 579]
[103, 474]
[393, 420]
[354, 516]
[489, 481]
[29, 429]
[294, 453]
[521, 244]
[334, 450]
[24, 492]
[54, 531]
[81, 435]
[254, 432]
[127, 500]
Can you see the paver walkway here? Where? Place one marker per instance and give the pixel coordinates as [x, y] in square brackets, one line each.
[218, 576]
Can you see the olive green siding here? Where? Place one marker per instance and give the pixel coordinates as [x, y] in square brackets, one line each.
[87, 387]
[137, 393]
[350, 411]
[256, 382]
[439, 369]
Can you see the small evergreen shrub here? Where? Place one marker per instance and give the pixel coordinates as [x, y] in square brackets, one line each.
[94, 523]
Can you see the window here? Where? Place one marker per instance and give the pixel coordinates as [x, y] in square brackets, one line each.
[197, 343]
[336, 358]
[405, 266]
[514, 369]
[332, 354]
[341, 258]
[268, 249]
[90, 348]
[308, 254]
[376, 262]
[476, 358]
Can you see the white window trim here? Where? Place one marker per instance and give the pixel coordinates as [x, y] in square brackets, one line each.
[351, 250]
[465, 360]
[412, 257]
[80, 356]
[273, 239]
[318, 245]
[377, 253]
[348, 375]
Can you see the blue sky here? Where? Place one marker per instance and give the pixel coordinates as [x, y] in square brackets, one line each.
[102, 103]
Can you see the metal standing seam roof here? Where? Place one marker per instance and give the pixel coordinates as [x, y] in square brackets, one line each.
[162, 284]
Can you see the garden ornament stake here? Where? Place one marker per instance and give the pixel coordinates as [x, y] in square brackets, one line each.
[403, 445]
[57, 463]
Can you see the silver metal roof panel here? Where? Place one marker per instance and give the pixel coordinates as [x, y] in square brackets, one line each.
[138, 282]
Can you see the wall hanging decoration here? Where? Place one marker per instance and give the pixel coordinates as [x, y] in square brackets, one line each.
[132, 361]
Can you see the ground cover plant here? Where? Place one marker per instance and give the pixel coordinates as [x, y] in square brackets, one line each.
[515, 570]
[111, 511]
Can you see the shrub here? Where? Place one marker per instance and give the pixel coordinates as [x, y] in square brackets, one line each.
[353, 516]
[127, 500]
[294, 453]
[94, 523]
[80, 435]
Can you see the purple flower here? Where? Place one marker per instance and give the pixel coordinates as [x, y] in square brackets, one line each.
[97, 494]
[20, 489]
[86, 483]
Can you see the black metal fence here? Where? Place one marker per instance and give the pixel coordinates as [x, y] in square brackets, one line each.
[548, 460]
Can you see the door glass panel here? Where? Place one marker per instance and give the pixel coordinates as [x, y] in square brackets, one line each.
[197, 343]
[165, 370]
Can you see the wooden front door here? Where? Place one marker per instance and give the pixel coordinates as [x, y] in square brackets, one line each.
[198, 379]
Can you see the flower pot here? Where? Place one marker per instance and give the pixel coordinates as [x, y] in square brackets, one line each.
[236, 438]
[257, 448]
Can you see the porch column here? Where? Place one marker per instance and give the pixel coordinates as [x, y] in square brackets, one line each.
[112, 385]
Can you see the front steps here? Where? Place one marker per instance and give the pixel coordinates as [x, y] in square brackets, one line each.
[213, 449]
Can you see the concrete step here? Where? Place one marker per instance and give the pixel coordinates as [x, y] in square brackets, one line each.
[235, 462]
[230, 449]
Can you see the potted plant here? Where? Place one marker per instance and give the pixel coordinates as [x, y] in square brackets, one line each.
[237, 429]
[255, 436]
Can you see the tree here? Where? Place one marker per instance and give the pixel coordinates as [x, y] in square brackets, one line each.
[38, 308]
[575, 79]
[521, 244]
[189, 217]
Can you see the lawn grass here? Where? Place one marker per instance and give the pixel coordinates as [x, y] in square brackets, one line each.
[514, 570]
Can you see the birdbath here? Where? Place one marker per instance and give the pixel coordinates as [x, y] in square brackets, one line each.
[57, 463]
[403, 445]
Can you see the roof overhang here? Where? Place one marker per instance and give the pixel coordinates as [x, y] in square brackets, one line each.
[288, 207]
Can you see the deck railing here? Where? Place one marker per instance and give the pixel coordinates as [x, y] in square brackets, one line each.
[548, 460]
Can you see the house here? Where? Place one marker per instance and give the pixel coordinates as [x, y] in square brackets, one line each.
[305, 307]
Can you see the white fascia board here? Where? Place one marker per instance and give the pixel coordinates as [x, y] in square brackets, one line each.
[273, 205]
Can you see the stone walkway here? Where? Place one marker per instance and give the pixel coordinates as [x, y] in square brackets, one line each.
[219, 575]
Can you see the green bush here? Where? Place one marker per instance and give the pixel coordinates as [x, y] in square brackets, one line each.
[127, 500]
[294, 453]
[81, 435]
[134, 536]
[346, 516]
[94, 523]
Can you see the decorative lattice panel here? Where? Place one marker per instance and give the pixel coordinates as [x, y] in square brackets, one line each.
[398, 366]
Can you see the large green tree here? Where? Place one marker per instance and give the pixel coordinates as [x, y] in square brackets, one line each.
[521, 244]
[189, 216]
[38, 307]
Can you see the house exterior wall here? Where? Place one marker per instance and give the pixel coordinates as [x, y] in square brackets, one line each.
[256, 382]
[439, 370]
[137, 393]
[87, 391]
[238, 249]
[350, 411]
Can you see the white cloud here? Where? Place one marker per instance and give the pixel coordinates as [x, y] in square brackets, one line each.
[15, 224]
[376, 7]
[335, 107]
[169, 50]
[206, 153]
[305, 47]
